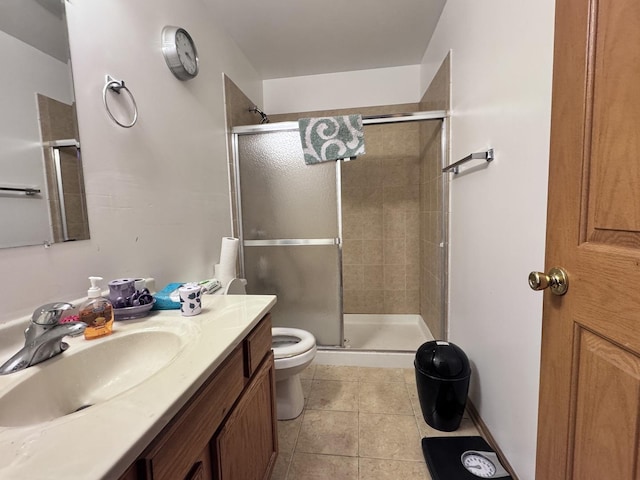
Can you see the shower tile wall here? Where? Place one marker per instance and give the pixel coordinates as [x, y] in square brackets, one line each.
[381, 223]
[433, 266]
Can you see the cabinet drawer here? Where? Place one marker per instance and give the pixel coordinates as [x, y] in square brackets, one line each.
[257, 345]
[183, 440]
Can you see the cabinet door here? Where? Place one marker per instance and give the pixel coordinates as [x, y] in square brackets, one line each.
[130, 474]
[246, 447]
[201, 469]
[175, 452]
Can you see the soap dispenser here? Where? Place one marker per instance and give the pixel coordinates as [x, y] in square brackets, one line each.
[96, 312]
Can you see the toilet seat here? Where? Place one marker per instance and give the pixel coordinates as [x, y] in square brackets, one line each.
[290, 342]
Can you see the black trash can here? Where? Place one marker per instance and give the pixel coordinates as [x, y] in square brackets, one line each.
[442, 378]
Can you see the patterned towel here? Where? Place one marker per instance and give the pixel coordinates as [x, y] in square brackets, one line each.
[331, 138]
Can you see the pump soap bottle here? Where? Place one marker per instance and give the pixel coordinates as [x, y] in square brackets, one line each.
[96, 312]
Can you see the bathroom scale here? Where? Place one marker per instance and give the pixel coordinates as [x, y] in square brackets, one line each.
[462, 458]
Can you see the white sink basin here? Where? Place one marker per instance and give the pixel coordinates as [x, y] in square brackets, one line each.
[77, 380]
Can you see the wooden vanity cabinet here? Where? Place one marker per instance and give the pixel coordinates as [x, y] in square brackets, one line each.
[246, 447]
[228, 429]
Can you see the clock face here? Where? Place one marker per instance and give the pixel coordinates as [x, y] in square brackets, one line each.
[479, 465]
[187, 52]
[180, 52]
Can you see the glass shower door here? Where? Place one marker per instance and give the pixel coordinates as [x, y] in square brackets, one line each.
[290, 232]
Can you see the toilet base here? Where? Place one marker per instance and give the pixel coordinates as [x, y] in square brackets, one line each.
[289, 397]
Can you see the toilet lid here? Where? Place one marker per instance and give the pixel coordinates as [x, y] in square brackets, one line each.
[289, 342]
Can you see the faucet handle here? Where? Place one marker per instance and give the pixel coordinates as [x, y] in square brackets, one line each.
[50, 313]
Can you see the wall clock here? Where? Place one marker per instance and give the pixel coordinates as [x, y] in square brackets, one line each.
[180, 52]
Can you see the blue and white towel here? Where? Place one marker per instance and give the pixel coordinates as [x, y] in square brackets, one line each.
[331, 138]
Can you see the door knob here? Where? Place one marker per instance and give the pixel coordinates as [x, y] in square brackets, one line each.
[556, 280]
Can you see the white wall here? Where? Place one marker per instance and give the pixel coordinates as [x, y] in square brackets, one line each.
[501, 94]
[25, 219]
[362, 88]
[157, 193]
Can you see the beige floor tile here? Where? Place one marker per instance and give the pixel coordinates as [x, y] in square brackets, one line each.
[370, 374]
[282, 466]
[393, 437]
[467, 428]
[306, 389]
[288, 431]
[334, 395]
[333, 372]
[415, 400]
[357, 419]
[328, 432]
[409, 375]
[308, 373]
[384, 398]
[305, 466]
[376, 469]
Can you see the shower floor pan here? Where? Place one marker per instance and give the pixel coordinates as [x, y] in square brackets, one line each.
[377, 341]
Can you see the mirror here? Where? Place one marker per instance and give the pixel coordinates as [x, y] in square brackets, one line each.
[42, 196]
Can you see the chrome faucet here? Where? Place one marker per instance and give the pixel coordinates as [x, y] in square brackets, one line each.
[43, 337]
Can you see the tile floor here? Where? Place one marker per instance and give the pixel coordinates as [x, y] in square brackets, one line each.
[359, 423]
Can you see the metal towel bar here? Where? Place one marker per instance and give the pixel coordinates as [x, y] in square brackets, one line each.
[26, 190]
[488, 156]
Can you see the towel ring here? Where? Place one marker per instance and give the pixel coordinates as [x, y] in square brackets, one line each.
[115, 86]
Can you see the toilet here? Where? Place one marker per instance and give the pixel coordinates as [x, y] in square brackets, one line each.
[293, 349]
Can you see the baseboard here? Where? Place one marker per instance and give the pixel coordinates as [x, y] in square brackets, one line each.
[484, 431]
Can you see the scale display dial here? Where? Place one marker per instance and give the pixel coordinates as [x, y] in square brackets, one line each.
[482, 464]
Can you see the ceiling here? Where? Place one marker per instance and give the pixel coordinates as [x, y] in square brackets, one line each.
[39, 23]
[290, 38]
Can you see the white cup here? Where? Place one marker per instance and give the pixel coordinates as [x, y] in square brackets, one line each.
[190, 304]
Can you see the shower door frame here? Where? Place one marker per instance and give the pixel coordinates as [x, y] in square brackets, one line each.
[441, 115]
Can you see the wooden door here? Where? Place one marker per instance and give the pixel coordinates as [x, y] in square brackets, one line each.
[588, 425]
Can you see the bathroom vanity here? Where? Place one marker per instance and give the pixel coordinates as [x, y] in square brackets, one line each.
[227, 430]
[205, 411]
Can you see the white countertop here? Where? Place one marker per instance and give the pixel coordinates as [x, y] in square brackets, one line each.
[104, 440]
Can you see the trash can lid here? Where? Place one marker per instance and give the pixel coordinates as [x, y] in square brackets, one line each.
[443, 360]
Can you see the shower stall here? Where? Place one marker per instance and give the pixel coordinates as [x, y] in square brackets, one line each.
[355, 250]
